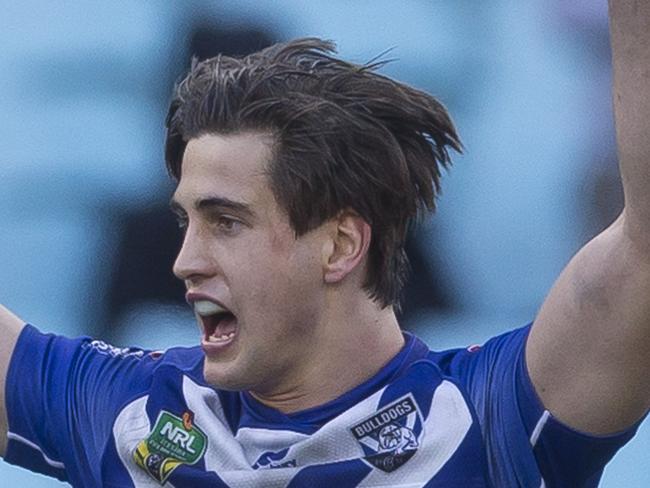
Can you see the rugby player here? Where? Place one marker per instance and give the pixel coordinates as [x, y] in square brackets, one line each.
[297, 176]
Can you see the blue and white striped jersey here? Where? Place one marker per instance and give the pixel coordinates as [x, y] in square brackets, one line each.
[95, 415]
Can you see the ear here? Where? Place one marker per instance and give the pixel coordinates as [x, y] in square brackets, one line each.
[347, 247]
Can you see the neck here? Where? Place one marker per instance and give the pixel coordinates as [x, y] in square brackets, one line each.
[350, 347]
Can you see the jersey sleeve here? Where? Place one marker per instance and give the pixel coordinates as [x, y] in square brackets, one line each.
[62, 396]
[526, 445]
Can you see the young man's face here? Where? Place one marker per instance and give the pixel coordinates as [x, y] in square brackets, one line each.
[256, 289]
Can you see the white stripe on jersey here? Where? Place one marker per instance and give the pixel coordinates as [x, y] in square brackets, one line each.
[232, 457]
[539, 427]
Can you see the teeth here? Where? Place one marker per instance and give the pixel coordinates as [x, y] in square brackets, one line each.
[206, 308]
[221, 338]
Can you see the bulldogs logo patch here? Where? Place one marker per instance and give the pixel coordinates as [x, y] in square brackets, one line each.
[390, 437]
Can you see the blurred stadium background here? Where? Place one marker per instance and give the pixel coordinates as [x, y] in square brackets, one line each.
[87, 241]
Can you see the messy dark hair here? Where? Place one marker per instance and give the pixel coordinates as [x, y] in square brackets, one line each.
[346, 137]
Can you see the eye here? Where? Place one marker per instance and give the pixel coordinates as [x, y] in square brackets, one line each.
[227, 224]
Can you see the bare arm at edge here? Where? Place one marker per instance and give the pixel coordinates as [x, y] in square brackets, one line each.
[10, 328]
[588, 351]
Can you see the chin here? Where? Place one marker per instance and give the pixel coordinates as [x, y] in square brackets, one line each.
[225, 378]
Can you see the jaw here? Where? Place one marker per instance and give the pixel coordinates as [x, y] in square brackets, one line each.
[248, 363]
[275, 351]
[230, 373]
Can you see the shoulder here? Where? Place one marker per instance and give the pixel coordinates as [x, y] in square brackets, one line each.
[494, 378]
[90, 365]
[466, 363]
[188, 360]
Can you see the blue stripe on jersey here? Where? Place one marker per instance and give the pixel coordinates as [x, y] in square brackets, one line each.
[421, 386]
[191, 477]
[114, 473]
[232, 409]
[466, 455]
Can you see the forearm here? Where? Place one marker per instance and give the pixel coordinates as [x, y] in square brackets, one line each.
[630, 38]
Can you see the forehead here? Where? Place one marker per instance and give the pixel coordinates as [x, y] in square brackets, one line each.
[228, 165]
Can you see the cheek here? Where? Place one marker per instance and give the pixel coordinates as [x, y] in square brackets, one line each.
[279, 256]
[278, 276]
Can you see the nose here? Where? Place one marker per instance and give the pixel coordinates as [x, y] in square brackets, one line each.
[193, 259]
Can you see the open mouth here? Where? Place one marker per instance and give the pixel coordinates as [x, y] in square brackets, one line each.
[219, 323]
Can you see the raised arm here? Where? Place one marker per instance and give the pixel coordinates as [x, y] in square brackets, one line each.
[10, 327]
[630, 30]
[588, 352]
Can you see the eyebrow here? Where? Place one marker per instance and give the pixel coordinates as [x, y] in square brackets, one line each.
[208, 203]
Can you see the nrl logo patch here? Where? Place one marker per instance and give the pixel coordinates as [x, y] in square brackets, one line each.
[390, 437]
[172, 442]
